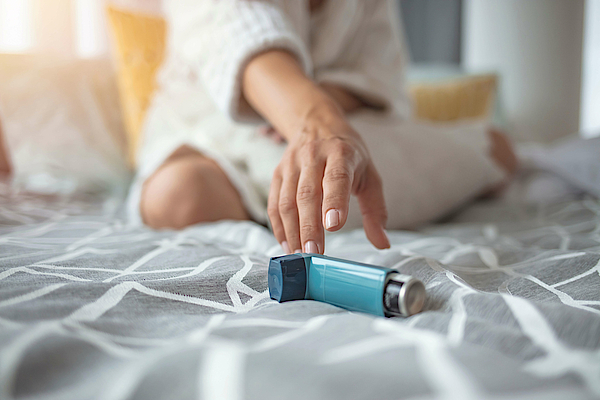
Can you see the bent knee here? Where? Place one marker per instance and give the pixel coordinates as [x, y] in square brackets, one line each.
[173, 196]
[189, 191]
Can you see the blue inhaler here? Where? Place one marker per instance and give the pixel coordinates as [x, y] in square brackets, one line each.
[347, 284]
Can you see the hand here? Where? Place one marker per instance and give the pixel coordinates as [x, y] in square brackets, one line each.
[325, 161]
[323, 165]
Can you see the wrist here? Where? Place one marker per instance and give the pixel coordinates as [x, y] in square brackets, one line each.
[346, 100]
[321, 116]
[325, 120]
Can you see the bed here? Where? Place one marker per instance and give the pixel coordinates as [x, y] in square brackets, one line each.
[91, 307]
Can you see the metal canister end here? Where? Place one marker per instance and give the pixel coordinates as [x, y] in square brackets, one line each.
[403, 295]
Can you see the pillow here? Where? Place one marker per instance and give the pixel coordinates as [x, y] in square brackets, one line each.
[140, 46]
[62, 125]
[574, 159]
[471, 97]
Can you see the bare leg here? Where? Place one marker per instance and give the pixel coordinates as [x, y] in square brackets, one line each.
[187, 189]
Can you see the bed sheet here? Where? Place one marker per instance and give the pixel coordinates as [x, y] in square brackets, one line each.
[91, 307]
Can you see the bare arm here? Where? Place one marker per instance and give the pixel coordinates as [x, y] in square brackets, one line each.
[274, 83]
[325, 161]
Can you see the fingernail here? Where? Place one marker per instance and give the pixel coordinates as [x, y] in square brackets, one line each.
[332, 219]
[311, 247]
[285, 247]
[298, 251]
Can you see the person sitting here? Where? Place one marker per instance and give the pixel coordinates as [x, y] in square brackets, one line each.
[327, 79]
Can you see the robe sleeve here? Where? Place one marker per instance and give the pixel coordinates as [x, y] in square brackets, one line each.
[219, 37]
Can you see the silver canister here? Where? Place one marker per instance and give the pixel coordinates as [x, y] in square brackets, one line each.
[404, 295]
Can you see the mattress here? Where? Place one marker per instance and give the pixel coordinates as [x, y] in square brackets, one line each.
[91, 307]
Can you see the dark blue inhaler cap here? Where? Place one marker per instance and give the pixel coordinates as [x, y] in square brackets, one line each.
[287, 278]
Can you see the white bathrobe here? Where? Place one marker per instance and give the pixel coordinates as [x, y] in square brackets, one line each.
[427, 170]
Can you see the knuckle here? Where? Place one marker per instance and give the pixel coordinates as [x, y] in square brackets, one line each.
[287, 205]
[308, 231]
[336, 200]
[310, 152]
[345, 150]
[272, 211]
[338, 174]
[306, 193]
[287, 166]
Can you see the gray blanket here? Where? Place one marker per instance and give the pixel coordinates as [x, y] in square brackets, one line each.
[93, 308]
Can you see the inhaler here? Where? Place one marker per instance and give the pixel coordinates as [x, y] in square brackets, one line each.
[347, 284]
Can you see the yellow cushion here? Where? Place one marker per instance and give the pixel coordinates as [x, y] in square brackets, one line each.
[140, 47]
[463, 98]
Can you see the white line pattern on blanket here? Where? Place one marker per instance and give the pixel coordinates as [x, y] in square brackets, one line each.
[85, 299]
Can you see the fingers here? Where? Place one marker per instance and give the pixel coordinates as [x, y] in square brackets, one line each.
[311, 189]
[337, 187]
[372, 208]
[273, 211]
[294, 206]
[288, 209]
[309, 197]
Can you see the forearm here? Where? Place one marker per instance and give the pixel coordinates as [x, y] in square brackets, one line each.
[276, 87]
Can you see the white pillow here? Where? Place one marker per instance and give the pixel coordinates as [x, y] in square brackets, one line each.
[62, 125]
[574, 159]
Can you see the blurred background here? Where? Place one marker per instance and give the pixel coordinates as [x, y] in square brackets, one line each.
[546, 53]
